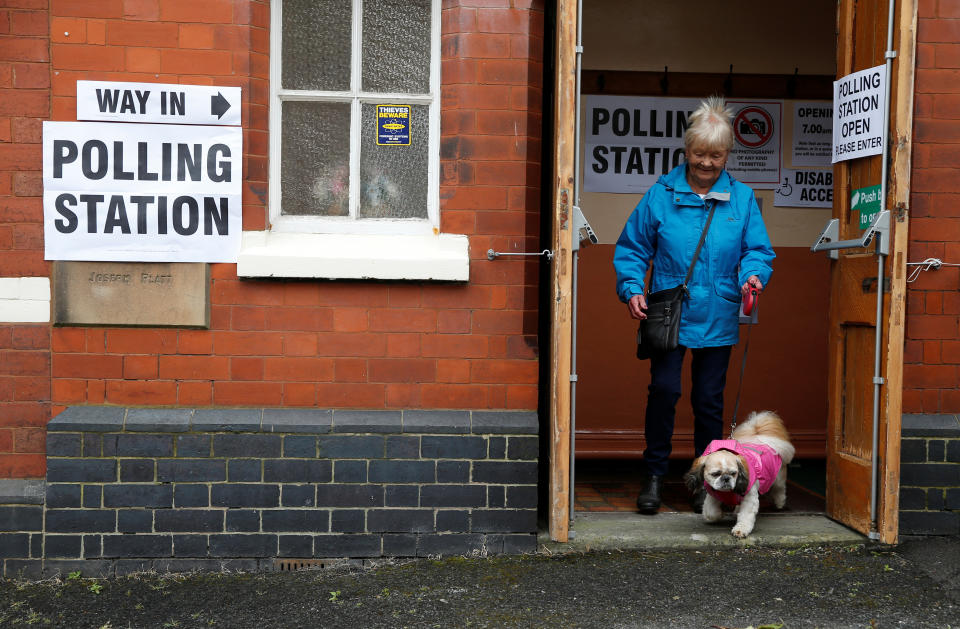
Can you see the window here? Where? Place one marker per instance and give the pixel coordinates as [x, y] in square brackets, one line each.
[354, 145]
[340, 72]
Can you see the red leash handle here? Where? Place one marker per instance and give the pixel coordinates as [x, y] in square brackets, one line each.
[750, 301]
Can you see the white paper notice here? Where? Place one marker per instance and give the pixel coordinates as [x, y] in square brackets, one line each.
[858, 129]
[141, 192]
[812, 133]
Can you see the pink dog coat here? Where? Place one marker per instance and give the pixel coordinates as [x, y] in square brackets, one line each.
[763, 464]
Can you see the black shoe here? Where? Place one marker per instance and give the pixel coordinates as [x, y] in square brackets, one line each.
[648, 502]
[696, 500]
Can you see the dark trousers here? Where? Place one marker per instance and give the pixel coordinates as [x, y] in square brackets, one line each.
[709, 370]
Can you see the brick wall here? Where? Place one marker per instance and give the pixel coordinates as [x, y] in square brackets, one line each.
[930, 475]
[332, 344]
[24, 348]
[184, 489]
[932, 350]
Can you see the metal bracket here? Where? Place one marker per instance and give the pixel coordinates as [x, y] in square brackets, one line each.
[878, 380]
[827, 241]
[582, 232]
[493, 255]
[573, 377]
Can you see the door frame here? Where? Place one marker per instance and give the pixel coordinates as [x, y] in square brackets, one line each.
[558, 510]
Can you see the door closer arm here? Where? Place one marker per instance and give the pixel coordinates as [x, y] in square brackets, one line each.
[879, 229]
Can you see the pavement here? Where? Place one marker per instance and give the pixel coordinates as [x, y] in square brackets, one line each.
[619, 571]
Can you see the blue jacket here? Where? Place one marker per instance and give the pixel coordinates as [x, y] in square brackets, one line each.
[665, 227]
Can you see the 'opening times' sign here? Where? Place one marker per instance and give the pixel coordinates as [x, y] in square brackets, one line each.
[151, 192]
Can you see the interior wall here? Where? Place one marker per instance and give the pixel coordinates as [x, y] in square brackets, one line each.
[787, 359]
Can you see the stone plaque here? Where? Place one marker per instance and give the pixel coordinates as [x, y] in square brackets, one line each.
[131, 293]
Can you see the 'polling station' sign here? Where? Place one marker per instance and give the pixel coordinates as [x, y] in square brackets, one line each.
[630, 141]
[141, 192]
[858, 114]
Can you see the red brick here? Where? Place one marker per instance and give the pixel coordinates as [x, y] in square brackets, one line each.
[934, 229]
[141, 9]
[68, 339]
[403, 345]
[22, 102]
[402, 370]
[96, 32]
[249, 293]
[196, 36]
[248, 318]
[351, 395]
[504, 371]
[20, 414]
[87, 57]
[140, 341]
[946, 106]
[187, 11]
[87, 366]
[929, 376]
[454, 71]
[24, 363]
[69, 391]
[22, 465]
[28, 184]
[299, 319]
[352, 345]
[935, 180]
[24, 49]
[32, 76]
[6, 441]
[26, 23]
[950, 402]
[30, 337]
[297, 369]
[458, 20]
[512, 72]
[213, 62]
[950, 352]
[453, 321]
[403, 320]
[31, 389]
[247, 344]
[194, 342]
[455, 222]
[299, 394]
[194, 368]
[140, 393]
[87, 8]
[453, 370]
[475, 97]
[350, 370]
[530, 48]
[932, 327]
[497, 322]
[522, 397]
[143, 59]
[140, 367]
[27, 130]
[403, 396]
[931, 352]
[246, 368]
[478, 45]
[350, 319]
[938, 30]
[146, 34]
[299, 344]
[454, 345]
[454, 396]
[30, 440]
[454, 122]
[195, 394]
[473, 198]
[911, 401]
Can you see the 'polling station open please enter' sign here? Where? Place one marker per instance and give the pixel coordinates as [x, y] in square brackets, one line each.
[115, 191]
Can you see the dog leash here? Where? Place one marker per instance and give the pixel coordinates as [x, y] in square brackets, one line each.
[754, 304]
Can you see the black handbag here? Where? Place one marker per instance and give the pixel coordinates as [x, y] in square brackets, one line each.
[659, 333]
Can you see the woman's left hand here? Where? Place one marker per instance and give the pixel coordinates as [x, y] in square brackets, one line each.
[753, 281]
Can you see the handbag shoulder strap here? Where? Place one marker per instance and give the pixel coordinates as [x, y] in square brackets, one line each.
[703, 236]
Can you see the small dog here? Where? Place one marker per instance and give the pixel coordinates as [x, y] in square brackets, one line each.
[737, 471]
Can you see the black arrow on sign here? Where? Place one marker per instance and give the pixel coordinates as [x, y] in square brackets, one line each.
[218, 105]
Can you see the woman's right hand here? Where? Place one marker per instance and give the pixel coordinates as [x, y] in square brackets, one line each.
[637, 306]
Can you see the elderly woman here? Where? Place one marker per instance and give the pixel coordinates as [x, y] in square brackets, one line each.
[664, 229]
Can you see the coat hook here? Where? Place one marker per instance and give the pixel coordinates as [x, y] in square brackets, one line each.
[664, 82]
[792, 84]
[728, 82]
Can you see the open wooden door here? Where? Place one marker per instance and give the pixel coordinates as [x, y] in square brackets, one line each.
[862, 43]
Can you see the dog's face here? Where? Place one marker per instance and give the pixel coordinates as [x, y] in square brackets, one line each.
[723, 471]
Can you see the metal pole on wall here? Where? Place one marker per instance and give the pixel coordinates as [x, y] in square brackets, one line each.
[576, 255]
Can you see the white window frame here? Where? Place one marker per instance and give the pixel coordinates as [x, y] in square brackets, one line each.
[356, 97]
[347, 247]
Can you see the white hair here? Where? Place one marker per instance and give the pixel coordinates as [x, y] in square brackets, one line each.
[710, 125]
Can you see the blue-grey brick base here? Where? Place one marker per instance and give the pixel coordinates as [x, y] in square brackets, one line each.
[209, 489]
[930, 475]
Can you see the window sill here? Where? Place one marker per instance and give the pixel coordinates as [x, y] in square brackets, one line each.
[442, 257]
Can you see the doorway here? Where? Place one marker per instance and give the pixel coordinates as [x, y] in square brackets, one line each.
[745, 51]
